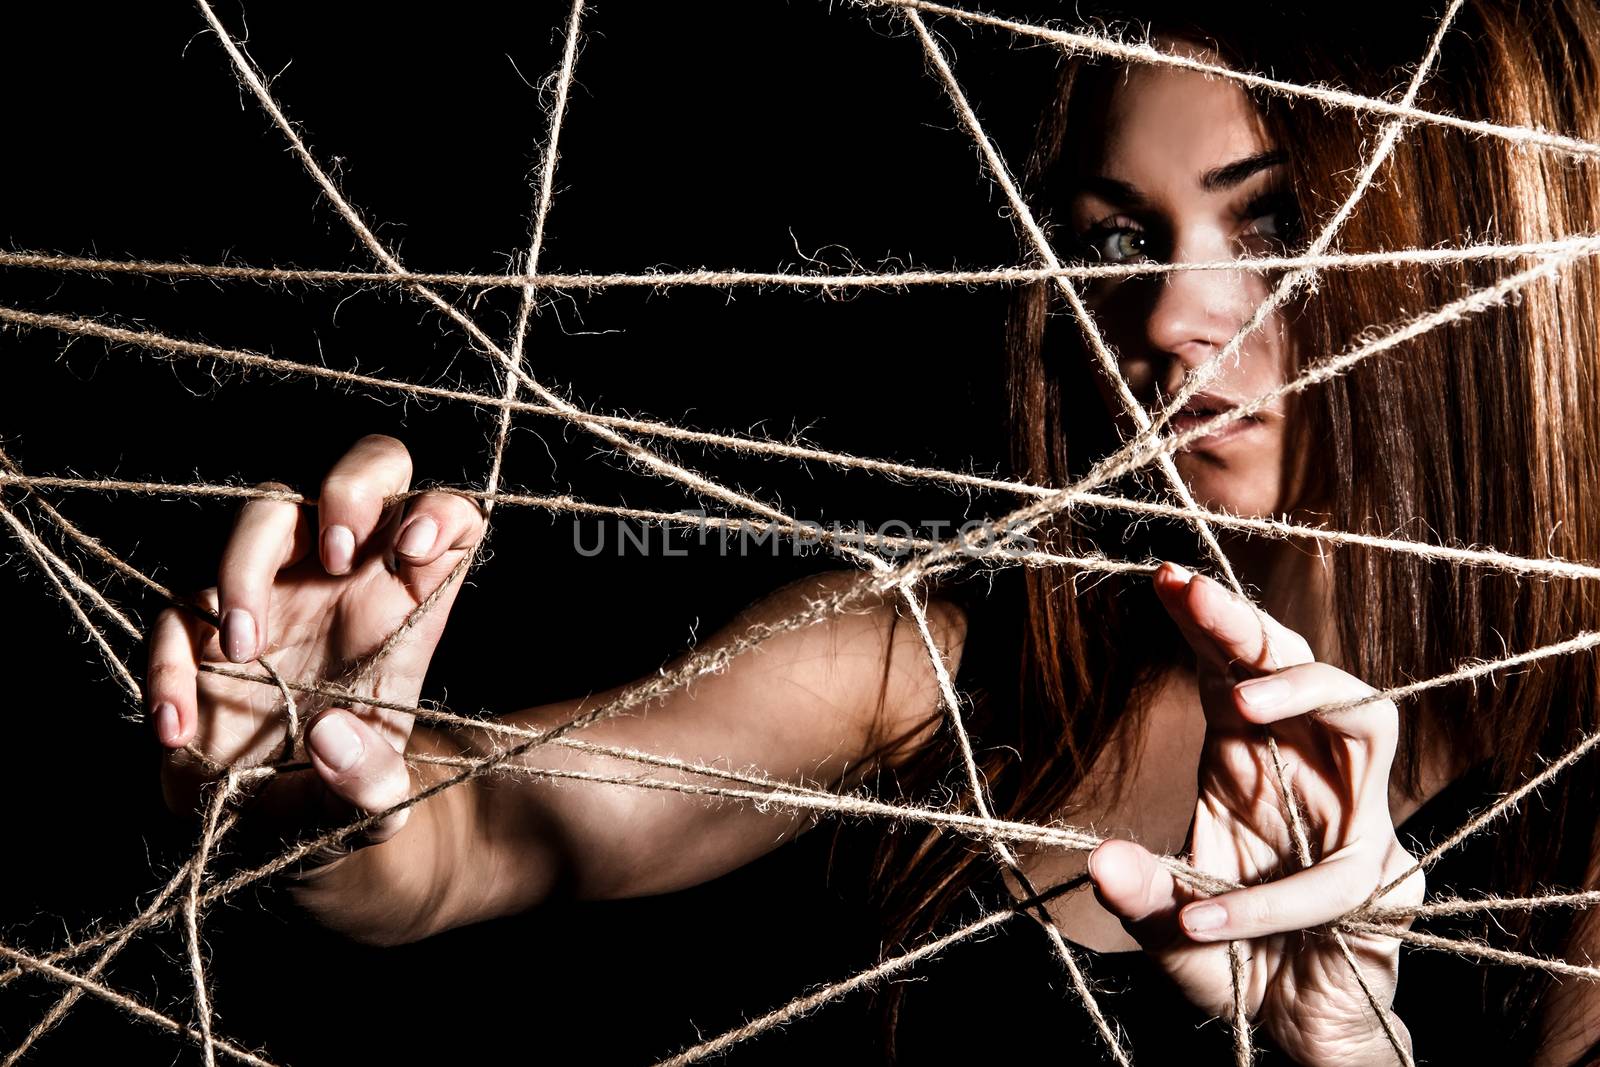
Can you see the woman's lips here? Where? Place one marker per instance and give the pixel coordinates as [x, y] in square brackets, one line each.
[1199, 415]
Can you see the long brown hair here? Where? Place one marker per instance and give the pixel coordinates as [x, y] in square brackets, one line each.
[1485, 432]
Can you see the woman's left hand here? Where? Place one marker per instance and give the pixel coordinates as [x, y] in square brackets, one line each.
[1297, 985]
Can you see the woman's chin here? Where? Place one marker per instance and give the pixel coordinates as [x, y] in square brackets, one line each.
[1220, 489]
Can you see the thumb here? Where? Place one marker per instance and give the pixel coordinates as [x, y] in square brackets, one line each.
[361, 770]
[1137, 889]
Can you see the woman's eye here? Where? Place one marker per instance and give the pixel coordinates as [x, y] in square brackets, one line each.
[1116, 244]
[1271, 230]
[1268, 226]
[1266, 234]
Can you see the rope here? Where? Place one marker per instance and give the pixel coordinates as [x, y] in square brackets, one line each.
[663, 280]
[187, 893]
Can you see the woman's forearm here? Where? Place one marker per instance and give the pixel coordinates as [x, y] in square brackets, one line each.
[505, 842]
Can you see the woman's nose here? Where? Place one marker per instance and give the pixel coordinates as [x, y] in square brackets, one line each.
[1196, 313]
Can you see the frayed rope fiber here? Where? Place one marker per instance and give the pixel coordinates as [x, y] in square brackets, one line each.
[193, 888]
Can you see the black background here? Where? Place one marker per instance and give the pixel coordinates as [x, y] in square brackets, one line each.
[763, 136]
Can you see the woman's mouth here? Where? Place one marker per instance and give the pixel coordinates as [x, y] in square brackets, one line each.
[1203, 409]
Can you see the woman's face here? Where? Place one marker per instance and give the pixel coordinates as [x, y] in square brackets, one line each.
[1181, 170]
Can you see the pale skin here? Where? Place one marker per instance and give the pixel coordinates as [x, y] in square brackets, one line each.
[313, 588]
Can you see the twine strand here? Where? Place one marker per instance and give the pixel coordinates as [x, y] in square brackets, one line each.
[70, 575]
[1124, 461]
[129, 1005]
[547, 177]
[1244, 1050]
[223, 789]
[877, 579]
[1104, 45]
[113, 946]
[252, 79]
[1505, 562]
[885, 280]
[48, 562]
[951, 702]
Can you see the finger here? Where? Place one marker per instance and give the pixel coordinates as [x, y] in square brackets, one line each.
[361, 769]
[268, 536]
[1312, 687]
[1137, 889]
[1339, 883]
[1240, 632]
[1171, 584]
[437, 523]
[170, 678]
[351, 502]
[1363, 738]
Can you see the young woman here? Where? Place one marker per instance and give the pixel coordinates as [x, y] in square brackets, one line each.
[1135, 706]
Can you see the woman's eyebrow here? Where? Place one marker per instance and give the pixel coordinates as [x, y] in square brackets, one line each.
[1111, 190]
[1231, 174]
[1215, 180]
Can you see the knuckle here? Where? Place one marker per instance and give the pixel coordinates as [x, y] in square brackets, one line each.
[389, 452]
[1300, 649]
[269, 497]
[1335, 679]
[465, 513]
[392, 781]
[385, 829]
[165, 621]
[165, 675]
[1402, 860]
[394, 790]
[378, 792]
[1376, 708]
[1290, 647]
[240, 578]
[384, 444]
[1154, 880]
[1382, 720]
[351, 492]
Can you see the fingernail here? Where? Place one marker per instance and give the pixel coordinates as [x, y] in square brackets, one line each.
[335, 743]
[1204, 917]
[338, 549]
[1094, 864]
[238, 635]
[167, 724]
[1183, 573]
[417, 538]
[1263, 693]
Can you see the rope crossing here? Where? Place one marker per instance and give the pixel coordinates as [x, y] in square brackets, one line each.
[79, 968]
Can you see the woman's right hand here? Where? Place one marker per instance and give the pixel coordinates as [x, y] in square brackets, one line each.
[314, 590]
